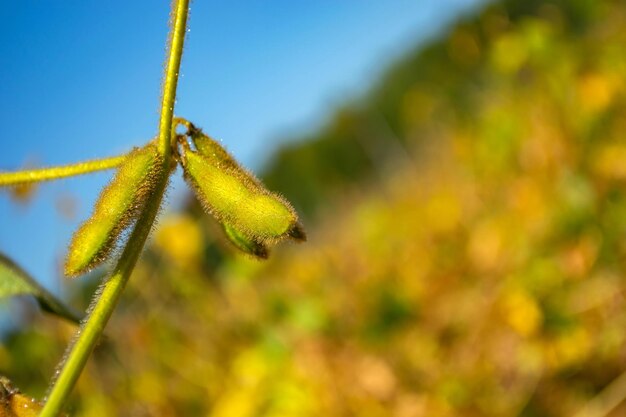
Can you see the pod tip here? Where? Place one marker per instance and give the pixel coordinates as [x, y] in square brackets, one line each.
[297, 232]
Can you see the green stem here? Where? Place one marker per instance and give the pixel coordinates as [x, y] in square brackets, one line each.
[176, 41]
[112, 289]
[53, 173]
[93, 326]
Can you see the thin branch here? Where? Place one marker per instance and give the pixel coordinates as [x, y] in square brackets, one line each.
[94, 325]
[176, 41]
[54, 173]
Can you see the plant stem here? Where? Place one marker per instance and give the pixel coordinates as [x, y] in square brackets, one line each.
[112, 289]
[93, 326]
[53, 173]
[176, 40]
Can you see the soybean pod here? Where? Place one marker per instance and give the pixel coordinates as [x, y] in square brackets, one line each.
[119, 204]
[234, 196]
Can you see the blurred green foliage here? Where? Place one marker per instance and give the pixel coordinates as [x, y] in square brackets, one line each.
[467, 250]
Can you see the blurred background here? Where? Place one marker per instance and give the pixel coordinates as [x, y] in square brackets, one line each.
[459, 167]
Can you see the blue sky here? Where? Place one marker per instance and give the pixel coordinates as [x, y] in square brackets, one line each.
[82, 79]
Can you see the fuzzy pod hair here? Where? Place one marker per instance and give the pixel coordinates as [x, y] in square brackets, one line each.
[119, 205]
[214, 151]
[245, 244]
[234, 196]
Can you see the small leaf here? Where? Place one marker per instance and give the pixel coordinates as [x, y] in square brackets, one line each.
[244, 243]
[15, 281]
[119, 205]
[235, 196]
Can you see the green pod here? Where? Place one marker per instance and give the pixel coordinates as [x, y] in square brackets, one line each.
[213, 150]
[235, 197]
[119, 204]
[244, 243]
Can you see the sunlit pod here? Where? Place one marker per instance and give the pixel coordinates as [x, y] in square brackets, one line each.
[236, 197]
[119, 204]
